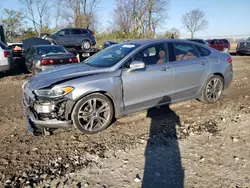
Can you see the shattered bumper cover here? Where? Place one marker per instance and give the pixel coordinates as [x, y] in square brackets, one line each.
[35, 125]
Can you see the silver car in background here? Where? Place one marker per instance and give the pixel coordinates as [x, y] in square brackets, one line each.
[122, 79]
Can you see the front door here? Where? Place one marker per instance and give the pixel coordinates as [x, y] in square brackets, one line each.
[151, 86]
[64, 37]
[190, 71]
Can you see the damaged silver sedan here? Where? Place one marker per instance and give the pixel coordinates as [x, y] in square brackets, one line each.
[122, 79]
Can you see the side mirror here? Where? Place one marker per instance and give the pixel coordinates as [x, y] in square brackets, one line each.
[136, 65]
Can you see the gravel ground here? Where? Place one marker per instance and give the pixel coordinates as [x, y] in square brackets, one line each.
[188, 144]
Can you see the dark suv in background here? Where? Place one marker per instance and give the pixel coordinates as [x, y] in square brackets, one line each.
[74, 38]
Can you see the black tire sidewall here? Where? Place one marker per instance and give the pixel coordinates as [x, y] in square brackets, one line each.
[81, 102]
[82, 46]
[204, 95]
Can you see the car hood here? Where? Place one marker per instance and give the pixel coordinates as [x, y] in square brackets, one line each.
[61, 74]
[27, 43]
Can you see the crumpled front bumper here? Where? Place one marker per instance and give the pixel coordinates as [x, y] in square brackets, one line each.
[35, 125]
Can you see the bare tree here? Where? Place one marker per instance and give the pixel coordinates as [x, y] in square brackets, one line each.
[139, 17]
[36, 11]
[80, 13]
[194, 21]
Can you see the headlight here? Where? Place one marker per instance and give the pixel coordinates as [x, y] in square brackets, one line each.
[54, 92]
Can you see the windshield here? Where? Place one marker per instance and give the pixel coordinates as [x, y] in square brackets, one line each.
[44, 50]
[112, 55]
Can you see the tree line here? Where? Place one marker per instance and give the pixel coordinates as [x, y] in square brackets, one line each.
[130, 19]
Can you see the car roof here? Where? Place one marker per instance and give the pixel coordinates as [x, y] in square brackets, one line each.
[47, 46]
[194, 39]
[74, 28]
[153, 41]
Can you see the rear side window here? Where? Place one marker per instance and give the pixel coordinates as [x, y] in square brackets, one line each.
[203, 51]
[185, 51]
[76, 31]
[225, 41]
[83, 31]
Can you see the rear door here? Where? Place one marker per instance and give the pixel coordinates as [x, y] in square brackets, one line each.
[77, 36]
[151, 86]
[190, 70]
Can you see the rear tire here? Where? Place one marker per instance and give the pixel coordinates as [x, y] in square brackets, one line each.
[212, 89]
[86, 45]
[93, 113]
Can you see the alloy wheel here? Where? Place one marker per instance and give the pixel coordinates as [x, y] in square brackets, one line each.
[94, 114]
[214, 89]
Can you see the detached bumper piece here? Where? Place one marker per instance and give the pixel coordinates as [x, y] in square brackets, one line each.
[41, 127]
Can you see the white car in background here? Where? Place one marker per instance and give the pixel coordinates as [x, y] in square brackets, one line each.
[6, 59]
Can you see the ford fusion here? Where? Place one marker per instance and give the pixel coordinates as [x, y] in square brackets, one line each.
[122, 79]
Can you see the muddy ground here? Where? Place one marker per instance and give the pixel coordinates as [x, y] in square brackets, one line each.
[189, 144]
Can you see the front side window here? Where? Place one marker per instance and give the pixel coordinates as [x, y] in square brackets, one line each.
[112, 55]
[64, 32]
[218, 42]
[155, 54]
[185, 51]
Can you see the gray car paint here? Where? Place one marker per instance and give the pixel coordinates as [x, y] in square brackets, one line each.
[135, 91]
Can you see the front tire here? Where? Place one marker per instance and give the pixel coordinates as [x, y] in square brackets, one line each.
[93, 113]
[212, 89]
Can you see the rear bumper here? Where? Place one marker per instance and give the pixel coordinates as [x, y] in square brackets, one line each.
[34, 124]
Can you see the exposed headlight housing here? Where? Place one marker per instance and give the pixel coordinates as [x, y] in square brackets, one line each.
[54, 92]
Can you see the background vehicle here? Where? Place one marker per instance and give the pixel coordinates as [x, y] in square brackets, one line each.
[74, 38]
[6, 59]
[108, 43]
[201, 41]
[220, 45]
[243, 48]
[123, 79]
[45, 56]
[17, 50]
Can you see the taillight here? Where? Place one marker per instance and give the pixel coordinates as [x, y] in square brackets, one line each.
[6, 54]
[75, 60]
[70, 60]
[44, 62]
[93, 34]
[229, 60]
[51, 61]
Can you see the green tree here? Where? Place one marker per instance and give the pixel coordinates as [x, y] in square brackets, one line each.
[28, 33]
[12, 22]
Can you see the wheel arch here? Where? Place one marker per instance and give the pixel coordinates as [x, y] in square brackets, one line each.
[71, 105]
[222, 76]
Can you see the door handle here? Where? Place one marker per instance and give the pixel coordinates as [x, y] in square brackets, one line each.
[166, 68]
